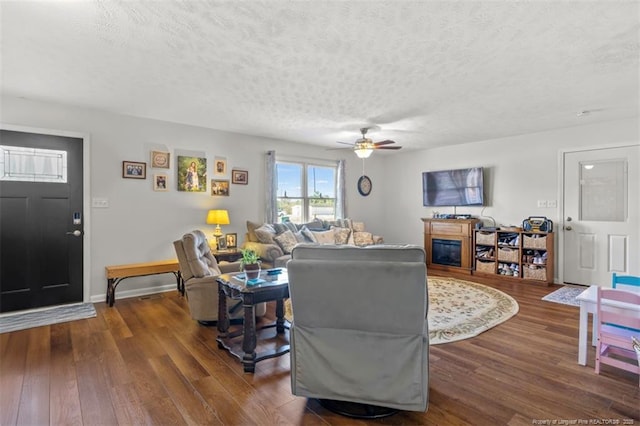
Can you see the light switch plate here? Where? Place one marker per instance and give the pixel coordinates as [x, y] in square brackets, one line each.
[100, 203]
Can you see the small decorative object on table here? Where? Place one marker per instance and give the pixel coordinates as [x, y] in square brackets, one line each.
[250, 264]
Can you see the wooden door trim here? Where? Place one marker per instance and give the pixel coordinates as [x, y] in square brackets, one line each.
[560, 212]
[86, 194]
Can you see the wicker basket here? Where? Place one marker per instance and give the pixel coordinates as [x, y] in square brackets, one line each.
[508, 255]
[535, 273]
[485, 238]
[487, 267]
[537, 242]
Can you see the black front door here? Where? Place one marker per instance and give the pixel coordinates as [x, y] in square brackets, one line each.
[41, 220]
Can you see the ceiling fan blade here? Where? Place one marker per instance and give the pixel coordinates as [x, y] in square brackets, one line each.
[387, 147]
[386, 142]
[345, 143]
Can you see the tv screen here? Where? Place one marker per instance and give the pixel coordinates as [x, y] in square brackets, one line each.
[461, 187]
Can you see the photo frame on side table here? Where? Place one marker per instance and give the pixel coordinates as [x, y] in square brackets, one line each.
[222, 243]
[134, 170]
[232, 240]
[240, 177]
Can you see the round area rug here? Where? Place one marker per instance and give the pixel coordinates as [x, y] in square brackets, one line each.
[461, 309]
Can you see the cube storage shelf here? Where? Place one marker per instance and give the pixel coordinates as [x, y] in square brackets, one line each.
[519, 255]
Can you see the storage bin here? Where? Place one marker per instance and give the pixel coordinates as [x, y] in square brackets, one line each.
[535, 273]
[508, 255]
[535, 242]
[486, 238]
[487, 267]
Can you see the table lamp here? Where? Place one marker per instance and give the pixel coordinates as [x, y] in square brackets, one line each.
[217, 217]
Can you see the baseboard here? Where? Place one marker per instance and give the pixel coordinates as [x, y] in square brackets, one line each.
[137, 292]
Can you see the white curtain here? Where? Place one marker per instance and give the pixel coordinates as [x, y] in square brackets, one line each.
[271, 189]
[341, 191]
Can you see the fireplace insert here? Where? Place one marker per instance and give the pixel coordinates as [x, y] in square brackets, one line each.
[446, 252]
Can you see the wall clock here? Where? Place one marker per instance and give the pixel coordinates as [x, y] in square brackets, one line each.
[364, 185]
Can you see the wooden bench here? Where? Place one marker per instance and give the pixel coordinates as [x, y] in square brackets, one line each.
[117, 273]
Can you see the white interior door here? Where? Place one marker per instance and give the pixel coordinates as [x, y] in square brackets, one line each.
[601, 227]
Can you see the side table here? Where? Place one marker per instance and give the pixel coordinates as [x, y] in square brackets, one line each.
[229, 255]
[243, 343]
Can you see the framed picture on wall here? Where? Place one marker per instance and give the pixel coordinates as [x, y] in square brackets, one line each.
[240, 177]
[220, 187]
[219, 166]
[160, 160]
[134, 170]
[160, 182]
[192, 172]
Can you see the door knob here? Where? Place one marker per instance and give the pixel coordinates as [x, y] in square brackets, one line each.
[568, 228]
[75, 233]
[569, 219]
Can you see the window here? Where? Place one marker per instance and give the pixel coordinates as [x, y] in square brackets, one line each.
[306, 191]
[32, 164]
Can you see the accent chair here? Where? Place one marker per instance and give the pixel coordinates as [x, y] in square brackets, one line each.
[359, 335]
[199, 270]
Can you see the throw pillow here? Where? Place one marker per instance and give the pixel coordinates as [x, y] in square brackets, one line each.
[362, 238]
[265, 234]
[308, 234]
[358, 226]
[251, 230]
[315, 225]
[300, 237]
[341, 235]
[325, 237]
[279, 228]
[287, 241]
[284, 226]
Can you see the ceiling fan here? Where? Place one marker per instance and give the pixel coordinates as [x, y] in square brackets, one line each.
[364, 146]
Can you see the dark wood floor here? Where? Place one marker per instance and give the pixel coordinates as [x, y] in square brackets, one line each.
[144, 361]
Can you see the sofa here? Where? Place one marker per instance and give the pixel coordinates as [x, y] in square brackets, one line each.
[274, 241]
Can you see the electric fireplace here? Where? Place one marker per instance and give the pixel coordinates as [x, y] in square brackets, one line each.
[448, 243]
[446, 252]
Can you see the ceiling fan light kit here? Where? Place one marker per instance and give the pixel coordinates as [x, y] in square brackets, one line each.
[364, 146]
[363, 152]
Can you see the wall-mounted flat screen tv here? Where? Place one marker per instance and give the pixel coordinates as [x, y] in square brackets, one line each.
[460, 187]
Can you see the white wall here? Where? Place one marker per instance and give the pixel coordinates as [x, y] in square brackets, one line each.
[520, 170]
[140, 224]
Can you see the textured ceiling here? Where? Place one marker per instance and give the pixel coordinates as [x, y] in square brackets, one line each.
[427, 73]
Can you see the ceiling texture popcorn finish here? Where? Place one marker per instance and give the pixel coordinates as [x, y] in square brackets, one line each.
[426, 73]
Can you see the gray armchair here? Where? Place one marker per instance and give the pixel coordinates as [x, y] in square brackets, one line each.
[199, 271]
[359, 336]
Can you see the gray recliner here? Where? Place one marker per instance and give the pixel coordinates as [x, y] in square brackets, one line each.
[359, 332]
[199, 271]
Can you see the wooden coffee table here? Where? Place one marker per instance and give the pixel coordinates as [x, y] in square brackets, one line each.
[242, 343]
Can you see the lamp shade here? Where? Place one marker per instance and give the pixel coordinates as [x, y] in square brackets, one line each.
[363, 152]
[218, 217]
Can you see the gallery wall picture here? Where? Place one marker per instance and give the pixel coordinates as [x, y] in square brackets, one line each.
[160, 182]
[134, 170]
[240, 177]
[220, 187]
[192, 172]
[219, 166]
[160, 160]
